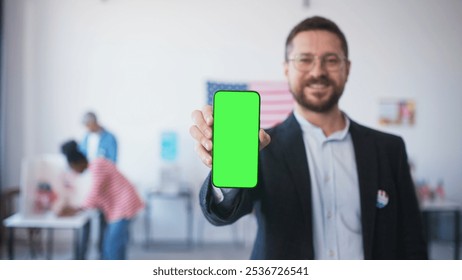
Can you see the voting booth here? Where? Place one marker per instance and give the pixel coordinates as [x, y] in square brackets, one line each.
[47, 184]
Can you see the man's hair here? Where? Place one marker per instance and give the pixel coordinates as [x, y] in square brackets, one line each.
[89, 117]
[316, 23]
[71, 151]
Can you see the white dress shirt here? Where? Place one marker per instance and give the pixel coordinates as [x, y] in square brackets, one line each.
[336, 205]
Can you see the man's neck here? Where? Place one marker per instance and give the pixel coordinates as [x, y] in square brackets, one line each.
[329, 122]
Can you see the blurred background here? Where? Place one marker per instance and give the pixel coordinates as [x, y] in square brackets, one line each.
[143, 66]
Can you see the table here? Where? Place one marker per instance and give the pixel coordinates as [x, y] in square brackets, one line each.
[439, 207]
[183, 193]
[50, 222]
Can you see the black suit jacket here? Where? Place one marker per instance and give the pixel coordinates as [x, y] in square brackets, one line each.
[282, 198]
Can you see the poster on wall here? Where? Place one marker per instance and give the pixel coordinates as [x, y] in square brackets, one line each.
[169, 146]
[397, 112]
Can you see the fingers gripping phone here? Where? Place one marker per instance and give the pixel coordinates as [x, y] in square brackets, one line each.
[236, 125]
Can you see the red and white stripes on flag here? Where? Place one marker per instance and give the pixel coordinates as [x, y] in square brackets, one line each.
[276, 100]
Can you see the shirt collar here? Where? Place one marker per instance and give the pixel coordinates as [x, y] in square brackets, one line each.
[317, 132]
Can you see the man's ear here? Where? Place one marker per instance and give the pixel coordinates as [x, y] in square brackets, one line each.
[348, 65]
[286, 69]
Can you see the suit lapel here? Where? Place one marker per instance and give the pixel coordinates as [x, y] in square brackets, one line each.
[295, 156]
[367, 167]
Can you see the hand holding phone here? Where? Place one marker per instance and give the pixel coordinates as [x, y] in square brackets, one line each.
[236, 128]
[202, 130]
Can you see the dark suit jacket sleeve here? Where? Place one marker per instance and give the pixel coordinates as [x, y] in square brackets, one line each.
[219, 215]
[412, 237]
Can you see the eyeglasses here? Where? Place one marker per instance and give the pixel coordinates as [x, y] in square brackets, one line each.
[306, 62]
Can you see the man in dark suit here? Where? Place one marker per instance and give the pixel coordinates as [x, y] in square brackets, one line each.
[328, 187]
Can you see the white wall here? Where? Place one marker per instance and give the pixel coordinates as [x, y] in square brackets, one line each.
[142, 66]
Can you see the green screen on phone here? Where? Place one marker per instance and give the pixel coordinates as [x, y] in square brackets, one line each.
[236, 125]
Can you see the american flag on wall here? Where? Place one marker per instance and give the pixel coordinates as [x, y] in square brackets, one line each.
[276, 100]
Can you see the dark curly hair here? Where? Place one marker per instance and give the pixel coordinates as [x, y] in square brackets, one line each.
[71, 150]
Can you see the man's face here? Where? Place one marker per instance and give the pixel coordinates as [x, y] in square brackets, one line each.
[92, 126]
[318, 89]
[79, 167]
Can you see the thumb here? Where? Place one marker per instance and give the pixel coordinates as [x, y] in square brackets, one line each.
[265, 139]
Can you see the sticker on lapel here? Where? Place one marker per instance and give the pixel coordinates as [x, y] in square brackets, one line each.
[382, 199]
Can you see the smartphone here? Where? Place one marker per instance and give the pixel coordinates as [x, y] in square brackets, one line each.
[236, 123]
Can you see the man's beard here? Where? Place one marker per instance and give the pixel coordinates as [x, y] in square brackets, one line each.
[323, 107]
